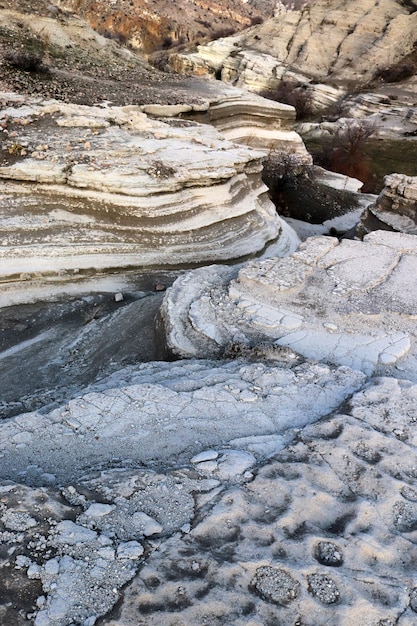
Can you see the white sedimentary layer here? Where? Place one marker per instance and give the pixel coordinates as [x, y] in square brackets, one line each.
[350, 303]
[344, 41]
[88, 189]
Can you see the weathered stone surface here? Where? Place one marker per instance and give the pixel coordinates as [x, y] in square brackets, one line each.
[344, 41]
[395, 209]
[89, 189]
[350, 303]
[248, 545]
[145, 415]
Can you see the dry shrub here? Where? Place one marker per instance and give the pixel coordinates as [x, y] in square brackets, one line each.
[396, 73]
[348, 154]
[284, 171]
[403, 69]
[346, 151]
[222, 32]
[294, 94]
[26, 61]
[296, 192]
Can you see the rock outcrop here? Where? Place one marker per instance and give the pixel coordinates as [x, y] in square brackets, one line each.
[341, 40]
[395, 209]
[349, 303]
[107, 187]
[255, 121]
[248, 505]
[157, 25]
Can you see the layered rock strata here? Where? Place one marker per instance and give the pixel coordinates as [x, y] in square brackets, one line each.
[93, 189]
[395, 209]
[344, 41]
[257, 122]
[240, 117]
[350, 303]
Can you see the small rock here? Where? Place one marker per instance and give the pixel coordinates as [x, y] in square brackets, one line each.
[275, 585]
[409, 493]
[206, 455]
[118, 297]
[328, 553]
[160, 287]
[405, 516]
[99, 510]
[130, 550]
[323, 588]
[146, 524]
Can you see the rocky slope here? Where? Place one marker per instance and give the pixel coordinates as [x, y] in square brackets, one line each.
[274, 484]
[329, 40]
[157, 24]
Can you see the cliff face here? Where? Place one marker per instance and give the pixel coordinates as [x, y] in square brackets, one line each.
[149, 25]
[109, 187]
[342, 40]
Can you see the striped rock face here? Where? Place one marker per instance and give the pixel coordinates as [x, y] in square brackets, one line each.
[87, 190]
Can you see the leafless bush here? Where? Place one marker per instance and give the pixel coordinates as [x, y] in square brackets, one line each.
[222, 32]
[296, 192]
[282, 172]
[338, 109]
[396, 73]
[353, 135]
[294, 94]
[346, 153]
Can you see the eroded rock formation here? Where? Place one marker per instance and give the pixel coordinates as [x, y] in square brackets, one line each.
[395, 209]
[341, 40]
[108, 187]
[350, 303]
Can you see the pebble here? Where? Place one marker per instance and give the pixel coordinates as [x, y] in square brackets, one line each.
[323, 588]
[275, 585]
[328, 553]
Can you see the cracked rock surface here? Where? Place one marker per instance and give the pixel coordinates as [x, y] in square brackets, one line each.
[349, 303]
[321, 530]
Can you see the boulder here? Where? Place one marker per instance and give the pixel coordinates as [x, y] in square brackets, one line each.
[395, 209]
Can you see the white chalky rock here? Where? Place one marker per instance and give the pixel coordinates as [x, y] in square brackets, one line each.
[98, 510]
[349, 303]
[146, 525]
[138, 193]
[130, 550]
